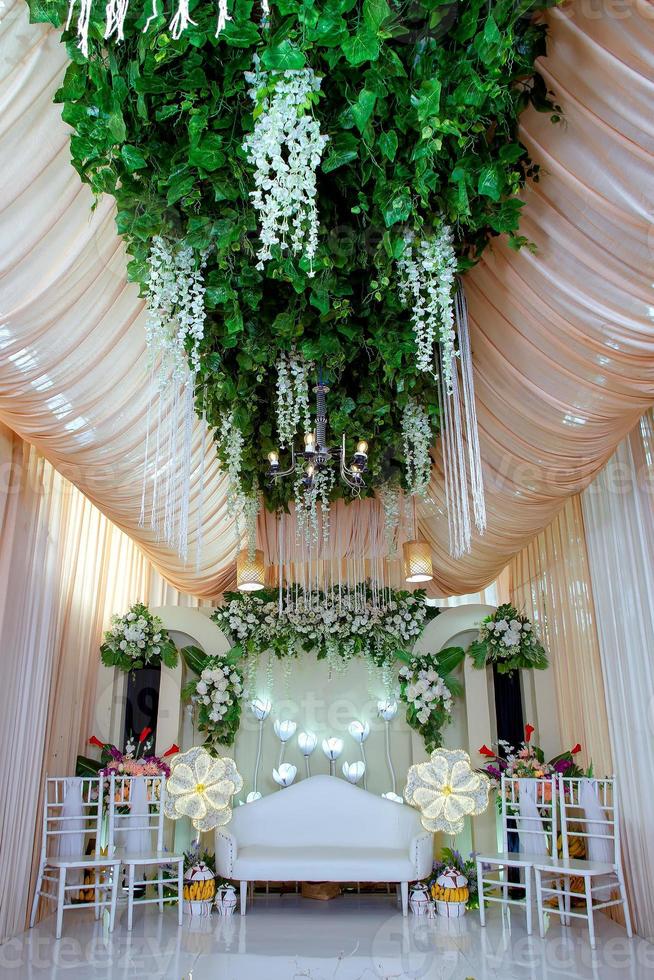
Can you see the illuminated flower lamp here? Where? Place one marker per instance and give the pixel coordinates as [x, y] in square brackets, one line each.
[353, 771]
[417, 561]
[250, 571]
[446, 789]
[387, 710]
[307, 742]
[252, 797]
[285, 775]
[284, 730]
[332, 747]
[201, 787]
[260, 708]
[359, 730]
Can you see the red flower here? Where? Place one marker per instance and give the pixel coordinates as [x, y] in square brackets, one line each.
[173, 750]
[577, 748]
[144, 734]
[96, 741]
[484, 750]
[529, 731]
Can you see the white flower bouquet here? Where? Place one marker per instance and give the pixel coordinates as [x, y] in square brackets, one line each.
[137, 639]
[509, 640]
[428, 696]
[217, 694]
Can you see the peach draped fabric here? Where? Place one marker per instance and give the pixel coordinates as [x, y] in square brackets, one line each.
[562, 340]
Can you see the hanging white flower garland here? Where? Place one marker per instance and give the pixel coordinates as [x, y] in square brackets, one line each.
[292, 397]
[174, 330]
[427, 271]
[285, 148]
[417, 437]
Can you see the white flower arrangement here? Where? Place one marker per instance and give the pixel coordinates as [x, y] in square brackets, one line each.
[137, 639]
[509, 640]
[285, 149]
[339, 625]
[217, 695]
[427, 272]
[417, 439]
[428, 697]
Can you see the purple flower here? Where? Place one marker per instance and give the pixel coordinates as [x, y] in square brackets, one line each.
[492, 771]
[562, 765]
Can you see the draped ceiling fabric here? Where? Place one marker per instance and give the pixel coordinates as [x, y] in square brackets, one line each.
[563, 341]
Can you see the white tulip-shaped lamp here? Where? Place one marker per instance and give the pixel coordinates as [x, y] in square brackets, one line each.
[387, 710]
[359, 730]
[284, 730]
[307, 742]
[353, 771]
[285, 775]
[260, 708]
[332, 747]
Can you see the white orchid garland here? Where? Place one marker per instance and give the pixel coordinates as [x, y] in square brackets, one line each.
[427, 272]
[417, 437]
[285, 149]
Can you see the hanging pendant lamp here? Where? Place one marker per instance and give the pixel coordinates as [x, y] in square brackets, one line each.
[250, 571]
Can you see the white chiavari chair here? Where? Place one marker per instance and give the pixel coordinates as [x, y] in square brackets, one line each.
[589, 812]
[529, 810]
[72, 821]
[136, 832]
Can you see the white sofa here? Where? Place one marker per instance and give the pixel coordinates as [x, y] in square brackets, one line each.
[324, 829]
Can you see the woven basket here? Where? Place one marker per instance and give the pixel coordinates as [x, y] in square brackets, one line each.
[323, 891]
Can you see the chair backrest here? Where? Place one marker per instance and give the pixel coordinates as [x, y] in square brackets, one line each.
[589, 812]
[72, 815]
[136, 812]
[529, 809]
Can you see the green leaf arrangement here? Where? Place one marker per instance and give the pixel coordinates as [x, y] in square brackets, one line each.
[421, 104]
[137, 639]
[526, 653]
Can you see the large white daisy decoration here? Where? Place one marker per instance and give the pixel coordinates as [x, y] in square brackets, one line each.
[446, 789]
[201, 787]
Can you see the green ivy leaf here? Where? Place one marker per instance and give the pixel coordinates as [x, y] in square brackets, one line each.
[428, 102]
[132, 157]
[360, 47]
[363, 108]
[388, 144]
[491, 182]
[341, 150]
[283, 57]
[375, 12]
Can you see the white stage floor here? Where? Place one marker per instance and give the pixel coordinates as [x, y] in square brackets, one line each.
[350, 938]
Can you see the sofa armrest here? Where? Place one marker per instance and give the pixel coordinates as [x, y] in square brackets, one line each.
[226, 851]
[422, 854]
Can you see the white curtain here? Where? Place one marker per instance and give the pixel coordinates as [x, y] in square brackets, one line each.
[64, 569]
[619, 519]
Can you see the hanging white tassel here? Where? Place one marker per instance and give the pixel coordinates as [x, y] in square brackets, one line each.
[459, 463]
[223, 16]
[470, 411]
[82, 24]
[115, 13]
[153, 15]
[181, 20]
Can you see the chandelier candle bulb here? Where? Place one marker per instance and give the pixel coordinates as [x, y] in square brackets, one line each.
[250, 571]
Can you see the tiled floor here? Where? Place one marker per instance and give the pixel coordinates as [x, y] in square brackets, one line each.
[350, 938]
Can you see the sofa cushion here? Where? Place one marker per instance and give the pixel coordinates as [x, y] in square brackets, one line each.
[264, 862]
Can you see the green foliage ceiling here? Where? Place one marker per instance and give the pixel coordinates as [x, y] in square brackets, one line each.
[420, 101]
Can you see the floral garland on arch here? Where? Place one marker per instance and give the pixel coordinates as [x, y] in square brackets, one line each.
[508, 640]
[137, 639]
[429, 696]
[217, 694]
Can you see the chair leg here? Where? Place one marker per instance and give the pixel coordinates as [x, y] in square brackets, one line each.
[37, 895]
[539, 903]
[398, 894]
[567, 885]
[404, 888]
[180, 892]
[115, 877]
[625, 905]
[482, 909]
[528, 898]
[589, 909]
[130, 896]
[160, 890]
[244, 896]
[61, 898]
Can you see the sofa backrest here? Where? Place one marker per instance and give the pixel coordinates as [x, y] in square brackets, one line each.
[327, 811]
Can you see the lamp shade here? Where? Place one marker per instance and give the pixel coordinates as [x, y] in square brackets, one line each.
[387, 709]
[417, 561]
[260, 708]
[332, 747]
[284, 730]
[307, 742]
[359, 730]
[250, 571]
